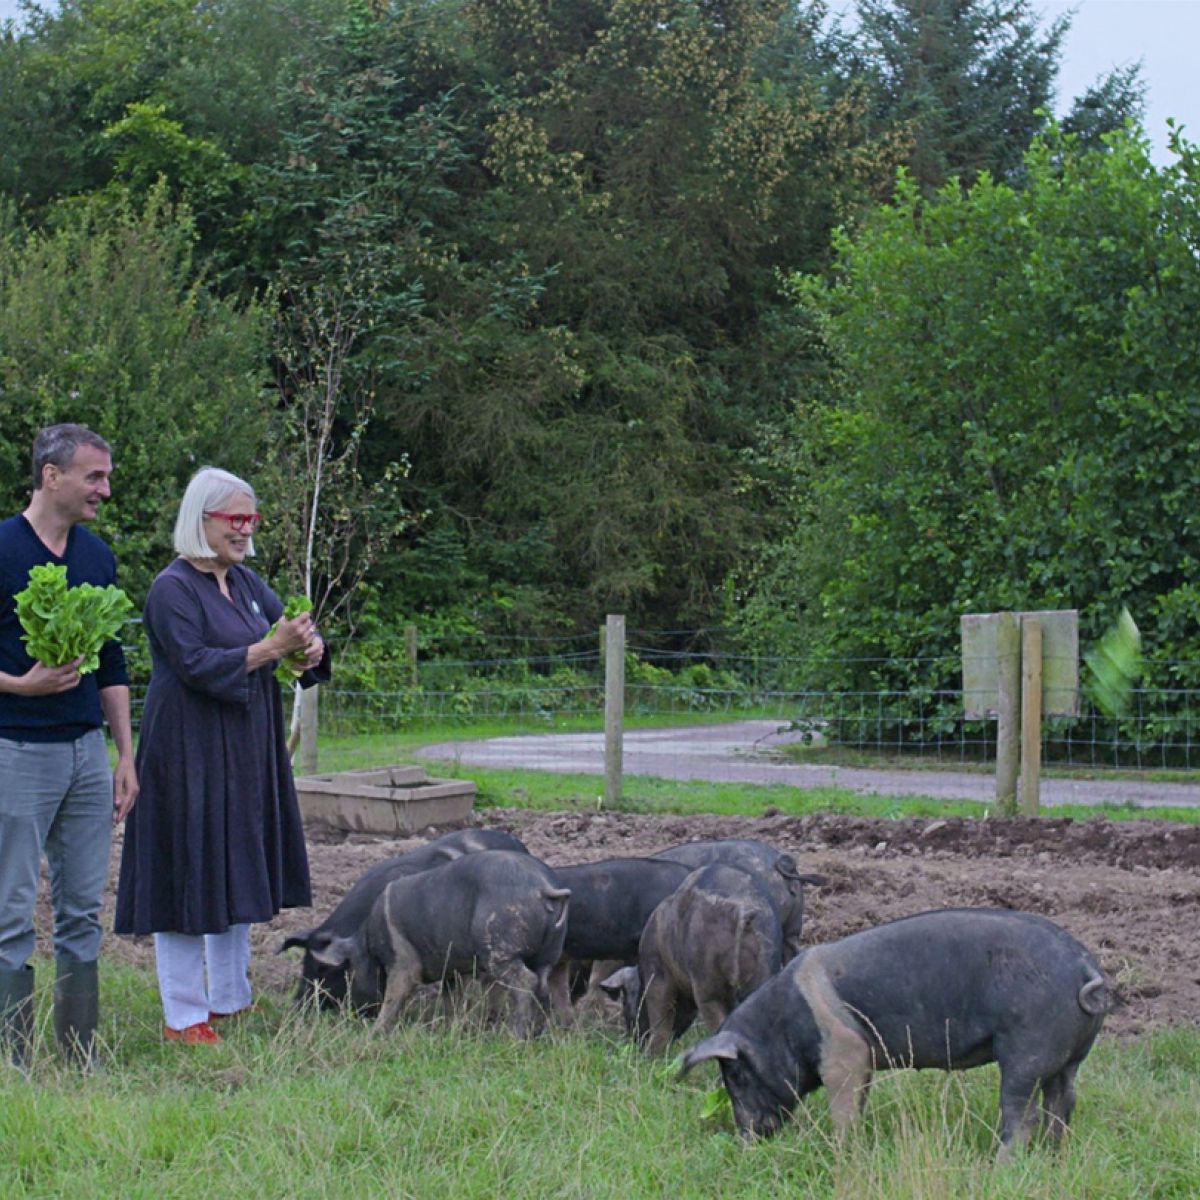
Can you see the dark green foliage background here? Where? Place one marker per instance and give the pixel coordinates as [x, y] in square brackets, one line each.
[1010, 419]
[557, 238]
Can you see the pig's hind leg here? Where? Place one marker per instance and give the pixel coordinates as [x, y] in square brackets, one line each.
[1058, 1101]
[1018, 1104]
[559, 987]
[527, 1015]
[685, 1016]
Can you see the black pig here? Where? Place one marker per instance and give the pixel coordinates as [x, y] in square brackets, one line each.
[776, 870]
[327, 985]
[952, 989]
[611, 900]
[500, 915]
[705, 948]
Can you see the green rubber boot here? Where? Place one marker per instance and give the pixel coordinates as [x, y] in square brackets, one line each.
[76, 1010]
[16, 1014]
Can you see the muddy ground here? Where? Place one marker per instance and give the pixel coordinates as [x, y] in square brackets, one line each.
[1129, 890]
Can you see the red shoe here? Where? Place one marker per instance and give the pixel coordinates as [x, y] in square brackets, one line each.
[200, 1034]
[241, 1012]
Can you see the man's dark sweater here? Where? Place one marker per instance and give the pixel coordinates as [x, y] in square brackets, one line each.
[67, 715]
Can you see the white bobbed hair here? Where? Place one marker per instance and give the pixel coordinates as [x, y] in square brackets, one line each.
[210, 488]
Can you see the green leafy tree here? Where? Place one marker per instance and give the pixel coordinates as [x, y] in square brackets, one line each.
[653, 165]
[70, 75]
[1010, 403]
[358, 219]
[107, 321]
[113, 95]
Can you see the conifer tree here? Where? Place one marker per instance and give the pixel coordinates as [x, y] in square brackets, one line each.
[969, 79]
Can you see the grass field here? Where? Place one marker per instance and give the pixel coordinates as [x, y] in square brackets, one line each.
[295, 1105]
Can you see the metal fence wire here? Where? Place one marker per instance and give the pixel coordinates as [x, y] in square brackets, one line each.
[533, 690]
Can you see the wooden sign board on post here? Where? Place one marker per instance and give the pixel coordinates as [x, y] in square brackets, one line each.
[1060, 663]
[1018, 667]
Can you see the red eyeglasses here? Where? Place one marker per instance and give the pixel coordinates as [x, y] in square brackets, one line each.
[239, 522]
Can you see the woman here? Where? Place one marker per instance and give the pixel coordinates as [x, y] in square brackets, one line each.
[215, 841]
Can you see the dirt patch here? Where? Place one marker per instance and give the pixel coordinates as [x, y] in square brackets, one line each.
[1129, 890]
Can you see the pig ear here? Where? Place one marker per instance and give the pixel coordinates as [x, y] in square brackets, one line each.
[295, 939]
[334, 953]
[618, 981]
[721, 1045]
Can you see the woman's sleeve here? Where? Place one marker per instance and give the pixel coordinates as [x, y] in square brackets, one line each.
[321, 673]
[175, 617]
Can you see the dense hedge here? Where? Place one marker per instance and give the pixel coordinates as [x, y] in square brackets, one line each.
[1010, 420]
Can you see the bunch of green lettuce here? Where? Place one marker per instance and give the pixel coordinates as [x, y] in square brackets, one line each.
[287, 669]
[64, 623]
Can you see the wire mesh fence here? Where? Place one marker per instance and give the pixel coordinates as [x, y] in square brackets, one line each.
[531, 689]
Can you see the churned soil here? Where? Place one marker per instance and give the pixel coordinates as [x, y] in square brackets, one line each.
[1129, 890]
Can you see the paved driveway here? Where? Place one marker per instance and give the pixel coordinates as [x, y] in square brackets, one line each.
[743, 752]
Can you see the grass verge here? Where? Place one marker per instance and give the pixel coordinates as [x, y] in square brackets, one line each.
[549, 791]
[291, 1105]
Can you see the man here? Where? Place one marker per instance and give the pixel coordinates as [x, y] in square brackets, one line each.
[58, 795]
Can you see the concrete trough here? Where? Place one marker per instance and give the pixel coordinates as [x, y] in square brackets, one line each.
[391, 800]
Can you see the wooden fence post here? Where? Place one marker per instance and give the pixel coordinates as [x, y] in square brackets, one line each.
[308, 701]
[614, 707]
[1031, 715]
[410, 649]
[1008, 711]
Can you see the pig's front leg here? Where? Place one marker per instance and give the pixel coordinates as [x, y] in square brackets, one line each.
[403, 977]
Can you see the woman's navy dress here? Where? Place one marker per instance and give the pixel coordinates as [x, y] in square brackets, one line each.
[215, 838]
